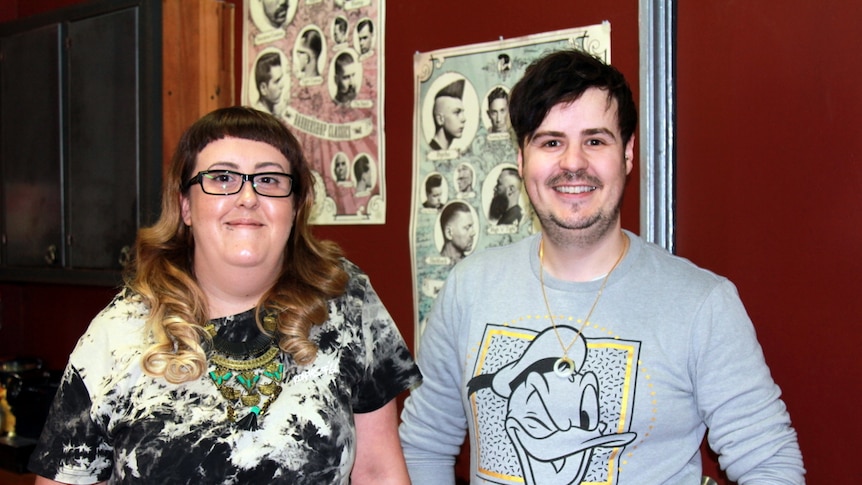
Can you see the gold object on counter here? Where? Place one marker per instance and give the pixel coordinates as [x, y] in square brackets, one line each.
[7, 419]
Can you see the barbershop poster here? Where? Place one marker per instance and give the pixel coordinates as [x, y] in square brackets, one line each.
[467, 193]
[317, 65]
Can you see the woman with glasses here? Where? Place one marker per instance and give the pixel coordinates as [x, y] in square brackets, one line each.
[241, 350]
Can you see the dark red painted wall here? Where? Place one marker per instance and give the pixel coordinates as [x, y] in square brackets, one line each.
[770, 194]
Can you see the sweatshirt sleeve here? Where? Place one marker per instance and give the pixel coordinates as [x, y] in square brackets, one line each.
[433, 420]
[749, 426]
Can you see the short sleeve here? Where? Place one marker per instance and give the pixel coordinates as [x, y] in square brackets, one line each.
[388, 367]
[72, 447]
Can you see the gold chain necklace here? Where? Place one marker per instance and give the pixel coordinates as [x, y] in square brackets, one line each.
[565, 366]
[248, 375]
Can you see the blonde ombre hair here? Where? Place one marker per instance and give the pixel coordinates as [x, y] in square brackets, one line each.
[161, 272]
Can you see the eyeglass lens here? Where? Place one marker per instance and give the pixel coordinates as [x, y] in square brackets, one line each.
[227, 182]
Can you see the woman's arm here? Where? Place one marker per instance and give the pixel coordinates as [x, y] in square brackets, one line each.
[379, 459]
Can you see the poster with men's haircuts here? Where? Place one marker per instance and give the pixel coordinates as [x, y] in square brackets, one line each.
[467, 192]
[318, 66]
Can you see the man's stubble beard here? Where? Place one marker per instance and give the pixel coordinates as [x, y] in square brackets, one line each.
[582, 231]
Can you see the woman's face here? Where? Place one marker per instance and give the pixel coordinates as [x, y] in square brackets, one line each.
[244, 230]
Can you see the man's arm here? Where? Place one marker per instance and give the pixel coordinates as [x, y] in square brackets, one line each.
[749, 426]
[433, 421]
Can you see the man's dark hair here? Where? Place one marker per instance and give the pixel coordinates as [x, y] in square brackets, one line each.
[341, 22]
[449, 211]
[264, 65]
[361, 166]
[434, 180]
[562, 77]
[497, 93]
[312, 41]
[365, 23]
[343, 60]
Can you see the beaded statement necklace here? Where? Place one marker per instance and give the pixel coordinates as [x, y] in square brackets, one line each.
[565, 366]
[247, 374]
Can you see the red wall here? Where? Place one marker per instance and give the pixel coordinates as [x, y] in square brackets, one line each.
[769, 181]
[770, 194]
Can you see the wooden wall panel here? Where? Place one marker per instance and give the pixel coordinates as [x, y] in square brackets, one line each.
[197, 61]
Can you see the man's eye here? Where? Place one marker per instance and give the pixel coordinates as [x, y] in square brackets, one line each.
[552, 143]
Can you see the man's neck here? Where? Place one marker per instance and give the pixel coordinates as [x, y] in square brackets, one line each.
[441, 139]
[449, 250]
[579, 261]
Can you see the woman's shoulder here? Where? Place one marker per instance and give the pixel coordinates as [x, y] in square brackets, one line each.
[121, 319]
[355, 274]
[115, 334]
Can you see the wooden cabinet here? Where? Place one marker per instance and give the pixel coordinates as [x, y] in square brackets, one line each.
[87, 97]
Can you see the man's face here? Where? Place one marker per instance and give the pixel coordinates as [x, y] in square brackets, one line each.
[504, 184]
[461, 231]
[465, 179]
[341, 168]
[275, 11]
[449, 113]
[435, 196]
[271, 91]
[303, 59]
[501, 187]
[575, 166]
[347, 77]
[340, 32]
[364, 35]
[498, 111]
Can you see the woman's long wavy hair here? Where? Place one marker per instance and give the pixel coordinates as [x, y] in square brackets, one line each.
[161, 273]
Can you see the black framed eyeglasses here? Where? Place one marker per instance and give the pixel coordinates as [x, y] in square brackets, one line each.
[228, 182]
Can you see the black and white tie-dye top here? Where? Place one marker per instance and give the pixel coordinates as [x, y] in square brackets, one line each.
[111, 422]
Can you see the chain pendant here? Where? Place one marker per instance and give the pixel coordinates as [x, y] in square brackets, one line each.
[564, 367]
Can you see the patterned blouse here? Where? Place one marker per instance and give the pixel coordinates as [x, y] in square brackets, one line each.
[110, 421]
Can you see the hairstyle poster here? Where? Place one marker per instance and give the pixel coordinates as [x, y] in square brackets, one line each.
[318, 66]
[467, 192]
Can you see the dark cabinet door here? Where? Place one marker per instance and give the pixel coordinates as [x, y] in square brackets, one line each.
[80, 139]
[30, 148]
[104, 148]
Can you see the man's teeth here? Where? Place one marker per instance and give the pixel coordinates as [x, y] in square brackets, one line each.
[578, 189]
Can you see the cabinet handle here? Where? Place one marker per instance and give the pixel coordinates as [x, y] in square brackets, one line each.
[125, 256]
[51, 254]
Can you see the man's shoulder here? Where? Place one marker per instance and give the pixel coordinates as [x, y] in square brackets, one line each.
[671, 267]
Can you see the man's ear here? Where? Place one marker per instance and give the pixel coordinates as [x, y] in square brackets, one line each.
[630, 154]
[438, 119]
